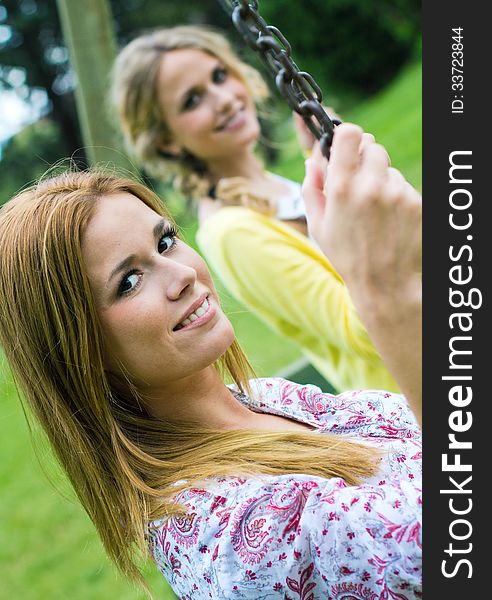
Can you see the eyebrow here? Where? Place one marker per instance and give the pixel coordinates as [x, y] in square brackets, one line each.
[127, 262]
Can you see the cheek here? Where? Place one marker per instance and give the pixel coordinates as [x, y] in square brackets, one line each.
[115, 334]
[124, 326]
[134, 339]
[241, 91]
[190, 124]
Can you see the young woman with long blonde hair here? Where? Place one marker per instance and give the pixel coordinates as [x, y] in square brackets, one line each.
[188, 108]
[263, 488]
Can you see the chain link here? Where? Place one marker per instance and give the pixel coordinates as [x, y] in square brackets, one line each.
[299, 88]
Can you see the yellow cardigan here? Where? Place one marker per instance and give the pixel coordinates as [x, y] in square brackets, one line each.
[281, 277]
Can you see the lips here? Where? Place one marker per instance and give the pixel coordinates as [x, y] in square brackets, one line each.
[195, 312]
[230, 121]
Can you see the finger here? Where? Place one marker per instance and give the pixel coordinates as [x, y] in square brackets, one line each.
[367, 140]
[344, 158]
[375, 160]
[318, 157]
[312, 191]
[304, 134]
[298, 120]
[395, 175]
[414, 195]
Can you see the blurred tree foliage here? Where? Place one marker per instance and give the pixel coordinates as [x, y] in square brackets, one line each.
[349, 46]
[23, 162]
[352, 46]
[33, 57]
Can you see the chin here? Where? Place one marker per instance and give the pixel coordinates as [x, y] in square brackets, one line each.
[223, 338]
[226, 335]
[250, 132]
[249, 139]
[215, 349]
[254, 130]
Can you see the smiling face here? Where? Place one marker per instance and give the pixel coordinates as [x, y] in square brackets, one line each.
[208, 110]
[156, 301]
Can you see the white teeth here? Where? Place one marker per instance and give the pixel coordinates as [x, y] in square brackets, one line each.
[228, 122]
[200, 311]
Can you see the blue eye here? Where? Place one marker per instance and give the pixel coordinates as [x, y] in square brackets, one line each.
[129, 283]
[167, 241]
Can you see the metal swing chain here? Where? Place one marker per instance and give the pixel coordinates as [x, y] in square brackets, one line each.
[299, 88]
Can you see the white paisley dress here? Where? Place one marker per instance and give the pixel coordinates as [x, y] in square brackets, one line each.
[301, 537]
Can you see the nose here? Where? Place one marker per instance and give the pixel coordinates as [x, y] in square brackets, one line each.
[224, 97]
[180, 279]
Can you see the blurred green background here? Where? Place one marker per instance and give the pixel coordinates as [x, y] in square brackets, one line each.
[366, 57]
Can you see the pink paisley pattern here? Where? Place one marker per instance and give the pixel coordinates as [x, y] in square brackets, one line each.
[249, 537]
[184, 530]
[299, 537]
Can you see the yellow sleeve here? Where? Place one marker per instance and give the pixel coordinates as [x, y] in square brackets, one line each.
[279, 275]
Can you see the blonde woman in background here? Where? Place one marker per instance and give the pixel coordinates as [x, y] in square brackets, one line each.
[117, 341]
[188, 108]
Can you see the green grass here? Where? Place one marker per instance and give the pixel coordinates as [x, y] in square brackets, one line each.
[49, 548]
[394, 116]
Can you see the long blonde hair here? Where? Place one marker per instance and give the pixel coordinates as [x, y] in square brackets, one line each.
[124, 464]
[135, 96]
